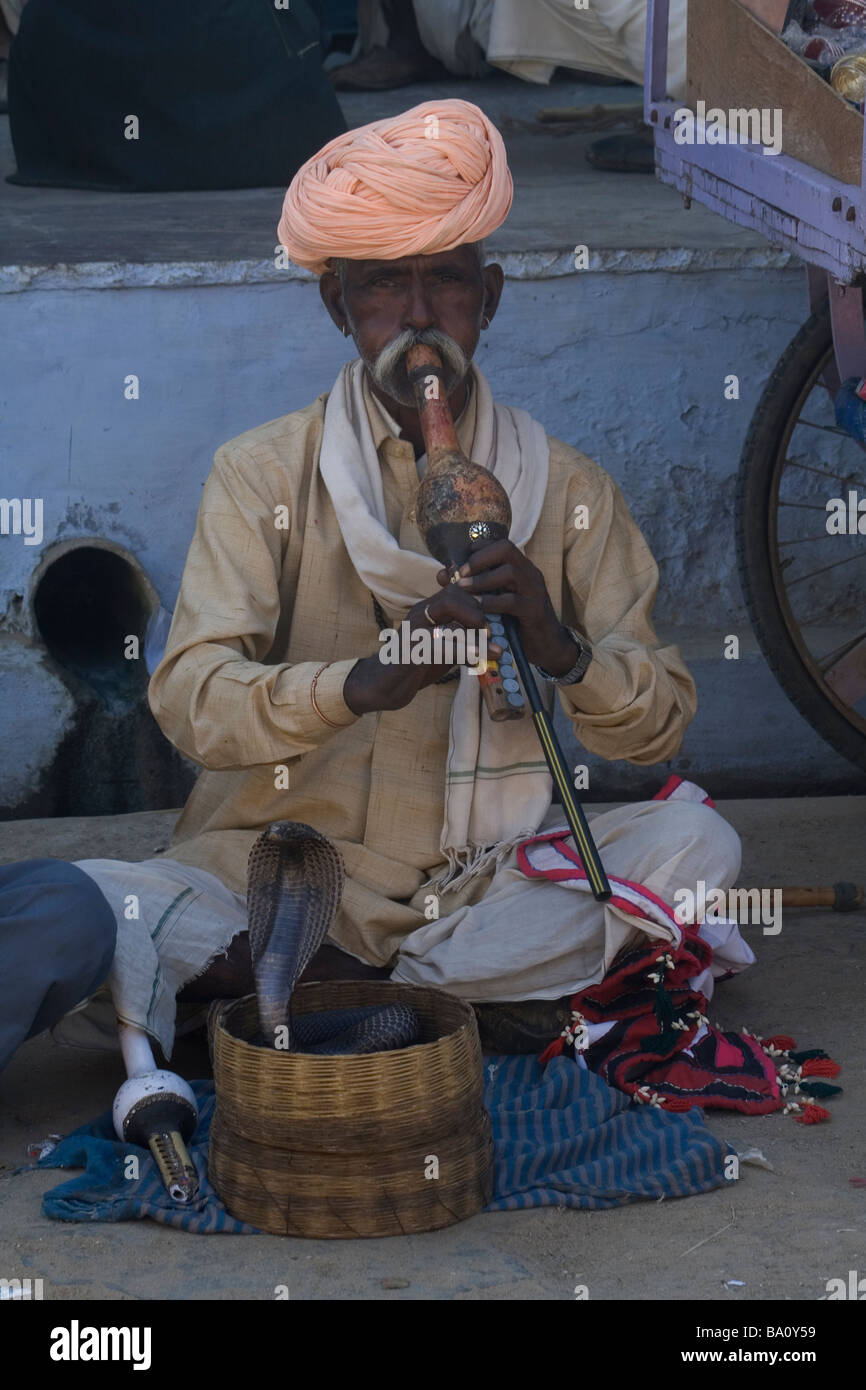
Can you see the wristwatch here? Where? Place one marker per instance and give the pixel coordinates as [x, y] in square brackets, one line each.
[579, 669]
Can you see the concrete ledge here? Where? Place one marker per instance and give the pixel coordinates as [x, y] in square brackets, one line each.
[518, 265]
[68, 238]
[134, 837]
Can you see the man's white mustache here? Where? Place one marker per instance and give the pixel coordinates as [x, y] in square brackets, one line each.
[392, 357]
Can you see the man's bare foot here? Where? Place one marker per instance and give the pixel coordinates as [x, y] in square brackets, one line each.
[382, 70]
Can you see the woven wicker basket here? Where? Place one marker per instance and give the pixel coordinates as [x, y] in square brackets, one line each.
[381, 1144]
[346, 1104]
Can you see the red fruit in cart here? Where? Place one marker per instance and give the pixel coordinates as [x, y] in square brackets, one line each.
[822, 51]
[839, 14]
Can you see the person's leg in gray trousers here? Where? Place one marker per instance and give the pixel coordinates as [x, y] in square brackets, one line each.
[57, 936]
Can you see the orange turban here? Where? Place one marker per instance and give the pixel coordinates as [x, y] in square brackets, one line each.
[422, 182]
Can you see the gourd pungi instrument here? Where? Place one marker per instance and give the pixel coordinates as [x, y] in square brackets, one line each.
[461, 507]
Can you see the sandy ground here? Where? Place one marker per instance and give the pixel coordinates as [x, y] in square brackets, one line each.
[782, 1233]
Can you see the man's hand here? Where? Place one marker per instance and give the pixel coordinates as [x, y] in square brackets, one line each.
[504, 581]
[376, 685]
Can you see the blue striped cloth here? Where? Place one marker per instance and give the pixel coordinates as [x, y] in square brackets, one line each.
[562, 1137]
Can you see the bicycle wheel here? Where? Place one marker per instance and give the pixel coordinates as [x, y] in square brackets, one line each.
[805, 588]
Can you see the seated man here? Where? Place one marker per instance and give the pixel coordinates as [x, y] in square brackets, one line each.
[306, 548]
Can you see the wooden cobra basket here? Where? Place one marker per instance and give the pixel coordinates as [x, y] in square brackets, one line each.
[339, 1147]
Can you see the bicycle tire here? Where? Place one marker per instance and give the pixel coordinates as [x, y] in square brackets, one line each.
[763, 453]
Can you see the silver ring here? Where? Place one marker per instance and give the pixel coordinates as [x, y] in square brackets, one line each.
[431, 621]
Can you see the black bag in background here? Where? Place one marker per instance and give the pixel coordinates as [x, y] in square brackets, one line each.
[227, 94]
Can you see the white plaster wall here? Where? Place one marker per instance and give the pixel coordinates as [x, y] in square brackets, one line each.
[629, 367]
[627, 363]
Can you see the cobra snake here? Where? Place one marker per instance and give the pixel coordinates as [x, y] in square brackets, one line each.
[295, 880]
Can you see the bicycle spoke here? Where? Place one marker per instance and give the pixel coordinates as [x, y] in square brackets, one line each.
[803, 540]
[830, 658]
[824, 568]
[808, 468]
[847, 678]
[828, 429]
[805, 506]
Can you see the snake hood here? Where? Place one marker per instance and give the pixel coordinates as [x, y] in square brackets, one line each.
[295, 881]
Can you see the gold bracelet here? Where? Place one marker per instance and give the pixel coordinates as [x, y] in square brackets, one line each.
[324, 718]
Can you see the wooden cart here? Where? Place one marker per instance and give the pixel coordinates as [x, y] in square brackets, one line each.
[810, 618]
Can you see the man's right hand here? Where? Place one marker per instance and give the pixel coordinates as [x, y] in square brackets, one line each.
[373, 684]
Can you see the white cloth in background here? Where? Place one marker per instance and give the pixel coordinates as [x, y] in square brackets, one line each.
[530, 38]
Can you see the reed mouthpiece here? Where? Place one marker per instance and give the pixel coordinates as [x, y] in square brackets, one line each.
[175, 1166]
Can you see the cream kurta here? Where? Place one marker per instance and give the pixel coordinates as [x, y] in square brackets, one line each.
[269, 595]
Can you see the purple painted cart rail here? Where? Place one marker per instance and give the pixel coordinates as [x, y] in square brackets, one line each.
[793, 205]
